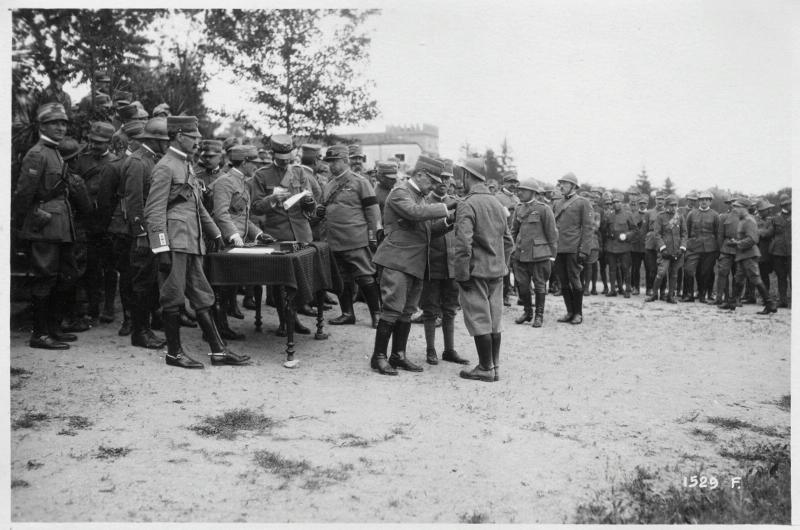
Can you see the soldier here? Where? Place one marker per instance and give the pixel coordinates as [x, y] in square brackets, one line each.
[637, 243]
[650, 248]
[747, 253]
[357, 158]
[670, 237]
[309, 159]
[387, 178]
[43, 216]
[208, 169]
[353, 219]
[161, 111]
[618, 229]
[507, 195]
[440, 291]
[404, 256]
[726, 264]
[535, 248]
[590, 270]
[483, 249]
[574, 223]
[606, 209]
[231, 211]
[702, 227]
[763, 222]
[100, 87]
[175, 220]
[780, 230]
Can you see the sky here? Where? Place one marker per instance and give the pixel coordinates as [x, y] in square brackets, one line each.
[697, 91]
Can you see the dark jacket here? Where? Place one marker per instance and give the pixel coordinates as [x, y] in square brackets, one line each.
[574, 222]
[747, 236]
[781, 234]
[670, 232]
[273, 218]
[615, 225]
[352, 211]
[231, 211]
[702, 228]
[534, 232]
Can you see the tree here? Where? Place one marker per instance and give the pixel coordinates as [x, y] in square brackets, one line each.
[643, 183]
[493, 167]
[669, 187]
[304, 64]
[506, 158]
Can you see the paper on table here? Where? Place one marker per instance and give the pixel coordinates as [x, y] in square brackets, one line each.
[251, 250]
[291, 201]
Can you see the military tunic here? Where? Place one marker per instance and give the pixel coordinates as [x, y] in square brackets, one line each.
[780, 249]
[574, 222]
[231, 210]
[440, 290]
[702, 249]
[284, 225]
[670, 239]
[535, 245]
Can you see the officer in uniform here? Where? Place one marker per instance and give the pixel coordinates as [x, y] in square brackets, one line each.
[702, 227]
[574, 223]
[161, 111]
[670, 237]
[747, 254]
[353, 220]
[780, 248]
[637, 242]
[387, 178]
[650, 249]
[101, 87]
[175, 220]
[763, 223]
[208, 168]
[535, 248]
[507, 195]
[618, 229]
[592, 265]
[309, 159]
[357, 158]
[439, 291]
[726, 264]
[405, 258]
[483, 247]
[43, 215]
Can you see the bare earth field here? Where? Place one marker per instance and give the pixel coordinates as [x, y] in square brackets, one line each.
[103, 431]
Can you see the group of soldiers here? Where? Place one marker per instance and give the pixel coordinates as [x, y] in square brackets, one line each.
[136, 204]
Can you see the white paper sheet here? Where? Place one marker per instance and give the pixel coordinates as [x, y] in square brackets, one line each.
[251, 250]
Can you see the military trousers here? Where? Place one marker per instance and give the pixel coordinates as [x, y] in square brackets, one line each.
[619, 261]
[185, 279]
[482, 305]
[702, 269]
[569, 271]
[53, 268]
[532, 271]
[650, 267]
[121, 250]
[636, 269]
[726, 265]
[100, 272]
[747, 269]
[668, 268]
[400, 293]
[439, 298]
[144, 276]
[783, 271]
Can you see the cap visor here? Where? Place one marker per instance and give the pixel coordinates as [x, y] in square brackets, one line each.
[283, 156]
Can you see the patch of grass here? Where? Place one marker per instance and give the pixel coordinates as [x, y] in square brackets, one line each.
[763, 452]
[79, 422]
[110, 453]
[230, 424]
[317, 477]
[706, 435]
[19, 483]
[474, 518]
[29, 420]
[278, 465]
[33, 464]
[20, 371]
[349, 439]
[728, 423]
[763, 498]
[67, 432]
[785, 402]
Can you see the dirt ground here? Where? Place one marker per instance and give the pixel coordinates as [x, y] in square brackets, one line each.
[578, 408]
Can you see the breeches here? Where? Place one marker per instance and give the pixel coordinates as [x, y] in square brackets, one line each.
[400, 293]
[482, 305]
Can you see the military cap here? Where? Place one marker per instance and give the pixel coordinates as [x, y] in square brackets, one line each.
[211, 147]
[530, 184]
[741, 202]
[672, 199]
[510, 176]
[643, 199]
[549, 188]
[310, 149]
[154, 129]
[122, 97]
[161, 108]
[387, 169]
[51, 112]
[661, 195]
[728, 199]
[101, 76]
[101, 131]
[476, 167]
[705, 194]
[335, 152]
[557, 195]
[354, 150]
[571, 178]
[183, 124]
[585, 194]
[617, 197]
[764, 204]
[69, 148]
[431, 166]
[102, 99]
[132, 128]
[128, 112]
[447, 171]
[282, 146]
[141, 114]
[784, 199]
[692, 196]
[229, 142]
[243, 152]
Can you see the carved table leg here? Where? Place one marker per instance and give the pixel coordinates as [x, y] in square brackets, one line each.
[320, 298]
[257, 290]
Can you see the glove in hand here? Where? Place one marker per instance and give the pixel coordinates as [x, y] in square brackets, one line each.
[164, 262]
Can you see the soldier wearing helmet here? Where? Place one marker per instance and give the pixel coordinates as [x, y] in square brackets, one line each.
[763, 223]
[726, 263]
[618, 229]
[639, 205]
[650, 250]
[670, 238]
[702, 227]
[507, 195]
[780, 248]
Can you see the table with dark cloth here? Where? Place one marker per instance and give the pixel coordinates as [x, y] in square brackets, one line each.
[302, 276]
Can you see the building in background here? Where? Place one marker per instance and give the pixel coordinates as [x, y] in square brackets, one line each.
[403, 142]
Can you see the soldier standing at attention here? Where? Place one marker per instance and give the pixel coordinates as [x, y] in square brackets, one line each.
[535, 248]
[353, 219]
[175, 220]
[618, 230]
[574, 223]
[670, 237]
[405, 258]
[650, 249]
[702, 227]
[780, 248]
[763, 222]
[483, 249]
[507, 195]
[747, 253]
[637, 244]
[729, 225]
[43, 214]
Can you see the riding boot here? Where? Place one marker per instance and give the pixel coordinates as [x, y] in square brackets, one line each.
[538, 318]
[141, 335]
[770, 306]
[382, 335]
[430, 339]
[733, 298]
[527, 309]
[125, 328]
[110, 291]
[496, 355]
[577, 307]
[231, 305]
[172, 329]
[656, 285]
[372, 295]
[566, 292]
[399, 341]
[54, 316]
[220, 354]
[39, 336]
[484, 371]
[225, 331]
[346, 304]
[156, 322]
[449, 353]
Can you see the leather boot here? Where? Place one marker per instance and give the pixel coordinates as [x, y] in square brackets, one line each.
[577, 306]
[566, 292]
[225, 331]
[733, 299]
[484, 371]
[187, 321]
[450, 354]
[220, 354]
[172, 329]
[770, 306]
[382, 335]
[372, 295]
[430, 339]
[527, 311]
[39, 336]
[346, 303]
[55, 313]
[496, 355]
[125, 328]
[141, 335]
[249, 300]
[156, 322]
[232, 305]
[399, 341]
[538, 318]
[654, 292]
